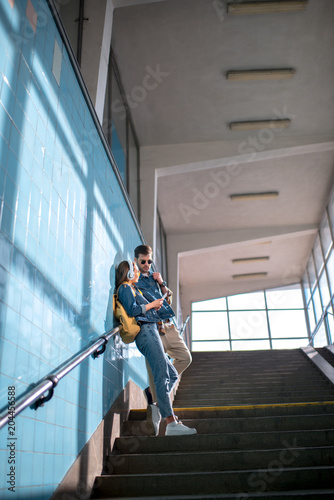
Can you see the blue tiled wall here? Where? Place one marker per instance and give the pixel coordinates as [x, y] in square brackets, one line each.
[64, 224]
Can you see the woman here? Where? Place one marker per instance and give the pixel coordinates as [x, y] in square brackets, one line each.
[148, 341]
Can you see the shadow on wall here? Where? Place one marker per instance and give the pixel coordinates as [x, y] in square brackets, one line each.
[58, 191]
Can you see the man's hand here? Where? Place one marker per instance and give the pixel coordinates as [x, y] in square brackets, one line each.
[157, 277]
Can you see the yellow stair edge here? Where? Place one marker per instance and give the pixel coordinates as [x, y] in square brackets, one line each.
[245, 407]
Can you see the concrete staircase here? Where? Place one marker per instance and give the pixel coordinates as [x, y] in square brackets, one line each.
[265, 422]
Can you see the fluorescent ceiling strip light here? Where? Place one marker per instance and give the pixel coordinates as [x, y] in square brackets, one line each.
[266, 7]
[260, 74]
[248, 260]
[254, 196]
[260, 124]
[249, 276]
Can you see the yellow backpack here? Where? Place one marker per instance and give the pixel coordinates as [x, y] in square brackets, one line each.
[129, 326]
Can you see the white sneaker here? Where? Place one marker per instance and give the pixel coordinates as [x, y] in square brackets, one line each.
[154, 417]
[178, 429]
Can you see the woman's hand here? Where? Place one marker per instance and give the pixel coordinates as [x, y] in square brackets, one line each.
[156, 304]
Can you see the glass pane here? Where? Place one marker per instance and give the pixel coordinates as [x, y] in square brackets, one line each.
[318, 259]
[246, 301]
[210, 305]
[133, 171]
[324, 290]
[285, 298]
[330, 324]
[250, 345]
[330, 270]
[210, 346]
[325, 234]
[118, 134]
[290, 343]
[311, 272]
[306, 287]
[311, 316]
[317, 304]
[287, 324]
[320, 339]
[331, 212]
[248, 325]
[209, 326]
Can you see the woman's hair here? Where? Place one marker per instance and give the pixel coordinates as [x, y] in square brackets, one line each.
[121, 273]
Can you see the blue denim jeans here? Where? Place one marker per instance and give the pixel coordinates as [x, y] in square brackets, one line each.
[165, 376]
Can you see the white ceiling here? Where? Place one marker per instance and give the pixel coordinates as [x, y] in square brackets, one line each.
[185, 121]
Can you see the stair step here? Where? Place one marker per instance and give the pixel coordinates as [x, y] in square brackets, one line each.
[229, 376]
[219, 391]
[243, 401]
[166, 463]
[283, 495]
[265, 423]
[256, 424]
[225, 441]
[275, 478]
[247, 411]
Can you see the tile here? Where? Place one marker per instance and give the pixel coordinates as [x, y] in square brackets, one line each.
[22, 364]
[7, 221]
[6, 123]
[11, 328]
[7, 97]
[5, 253]
[24, 73]
[26, 303]
[33, 222]
[31, 247]
[25, 471]
[8, 359]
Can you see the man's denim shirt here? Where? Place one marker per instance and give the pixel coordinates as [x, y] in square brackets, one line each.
[135, 306]
[151, 291]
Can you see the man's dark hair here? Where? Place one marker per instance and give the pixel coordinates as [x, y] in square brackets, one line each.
[142, 250]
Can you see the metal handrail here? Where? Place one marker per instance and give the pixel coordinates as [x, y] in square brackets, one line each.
[184, 325]
[36, 396]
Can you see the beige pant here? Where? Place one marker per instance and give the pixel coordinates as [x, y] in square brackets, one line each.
[176, 348]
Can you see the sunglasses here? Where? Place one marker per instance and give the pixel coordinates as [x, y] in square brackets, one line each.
[149, 261]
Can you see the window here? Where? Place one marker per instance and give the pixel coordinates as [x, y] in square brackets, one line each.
[120, 134]
[268, 319]
[321, 278]
[325, 235]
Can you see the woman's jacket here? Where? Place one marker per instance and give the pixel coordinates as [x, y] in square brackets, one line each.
[134, 303]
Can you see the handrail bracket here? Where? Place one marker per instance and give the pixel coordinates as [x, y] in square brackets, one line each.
[46, 397]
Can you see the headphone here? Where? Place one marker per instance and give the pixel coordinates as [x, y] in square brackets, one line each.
[131, 271]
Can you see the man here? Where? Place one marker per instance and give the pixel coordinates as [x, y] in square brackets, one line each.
[152, 286]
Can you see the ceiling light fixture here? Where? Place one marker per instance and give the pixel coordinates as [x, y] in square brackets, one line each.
[254, 196]
[266, 7]
[260, 74]
[249, 276]
[248, 260]
[260, 124]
